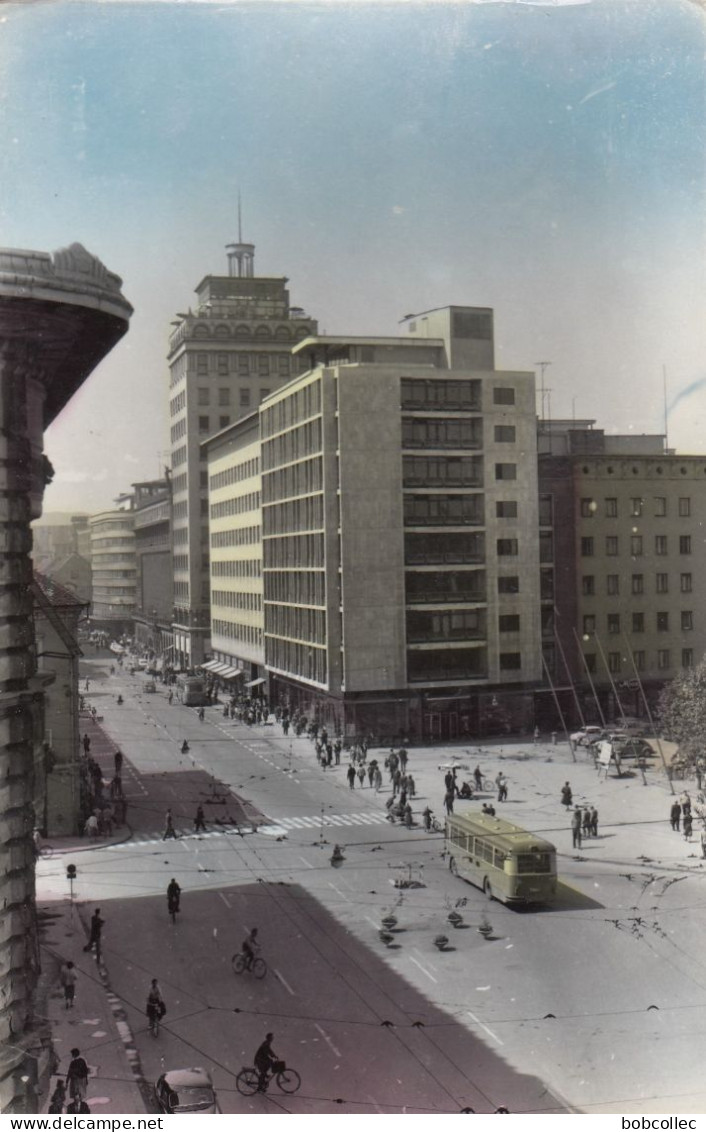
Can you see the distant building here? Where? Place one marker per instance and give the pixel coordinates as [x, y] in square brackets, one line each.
[55, 541]
[74, 573]
[224, 358]
[57, 613]
[153, 554]
[397, 484]
[114, 568]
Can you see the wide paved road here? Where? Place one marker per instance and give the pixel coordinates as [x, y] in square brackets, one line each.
[551, 1007]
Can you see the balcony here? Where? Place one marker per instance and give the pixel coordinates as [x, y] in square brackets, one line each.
[446, 597]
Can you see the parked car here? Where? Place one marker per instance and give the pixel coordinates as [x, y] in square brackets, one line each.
[186, 1090]
[150, 686]
[587, 735]
[636, 748]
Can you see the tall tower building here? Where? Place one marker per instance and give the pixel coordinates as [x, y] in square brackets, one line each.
[224, 358]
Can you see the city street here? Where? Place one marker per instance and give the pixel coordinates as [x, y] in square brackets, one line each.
[594, 1005]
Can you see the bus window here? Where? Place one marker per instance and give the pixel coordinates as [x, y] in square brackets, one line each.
[484, 850]
[500, 859]
[534, 863]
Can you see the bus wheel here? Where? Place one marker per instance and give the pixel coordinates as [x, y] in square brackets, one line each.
[453, 867]
[487, 889]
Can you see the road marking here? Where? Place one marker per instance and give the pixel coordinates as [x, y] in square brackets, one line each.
[376, 926]
[284, 982]
[341, 894]
[484, 1027]
[372, 1100]
[225, 900]
[329, 1043]
[422, 969]
[307, 863]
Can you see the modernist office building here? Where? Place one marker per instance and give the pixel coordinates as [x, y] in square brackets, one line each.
[224, 358]
[114, 567]
[397, 489]
[153, 566]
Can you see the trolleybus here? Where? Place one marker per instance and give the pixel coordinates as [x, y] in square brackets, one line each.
[506, 861]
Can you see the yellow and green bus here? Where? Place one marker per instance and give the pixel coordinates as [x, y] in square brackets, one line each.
[507, 862]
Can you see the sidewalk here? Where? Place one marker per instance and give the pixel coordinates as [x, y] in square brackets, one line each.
[96, 1024]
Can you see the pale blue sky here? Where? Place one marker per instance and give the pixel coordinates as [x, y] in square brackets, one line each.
[546, 161]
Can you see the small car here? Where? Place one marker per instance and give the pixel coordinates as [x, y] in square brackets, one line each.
[635, 748]
[587, 735]
[186, 1090]
[150, 686]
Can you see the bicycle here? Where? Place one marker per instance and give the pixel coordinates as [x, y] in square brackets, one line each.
[248, 1080]
[258, 967]
[173, 909]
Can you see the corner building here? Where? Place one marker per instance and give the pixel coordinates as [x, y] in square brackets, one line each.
[224, 359]
[400, 533]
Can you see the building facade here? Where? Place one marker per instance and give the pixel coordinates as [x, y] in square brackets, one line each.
[624, 518]
[235, 515]
[114, 568]
[224, 358]
[153, 563]
[398, 481]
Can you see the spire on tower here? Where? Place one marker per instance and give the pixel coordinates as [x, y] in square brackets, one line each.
[241, 257]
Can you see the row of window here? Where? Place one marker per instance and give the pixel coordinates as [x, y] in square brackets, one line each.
[290, 410]
[241, 363]
[179, 483]
[249, 634]
[179, 456]
[295, 479]
[430, 587]
[636, 507]
[296, 623]
[178, 430]
[180, 535]
[461, 471]
[430, 510]
[235, 474]
[237, 600]
[462, 624]
[304, 660]
[443, 546]
[177, 403]
[306, 550]
[241, 503]
[296, 444]
[238, 536]
[444, 432]
[612, 545]
[305, 514]
[242, 330]
[298, 587]
[637, 584]
[418, 393]
[238, 568]
[617, 662]
[425, 665]
[180, 561]
[181, 591]
[638, 622]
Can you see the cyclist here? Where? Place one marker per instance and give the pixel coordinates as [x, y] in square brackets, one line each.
[250, 947]
[265, 1059]
[173, 896]
[427, 816]
[155, 1004]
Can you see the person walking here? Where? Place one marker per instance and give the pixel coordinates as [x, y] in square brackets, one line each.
[688, 826]
[566, 796]
[411, 786]
[350, 773]
[377, 779]
[478, 779]
[594, 822]
[169, 830]
[576, 828]
[67, 978]
[199, 820]
[586, 822]
[118, 762]
[58, 1098]
[403, 757]
[449, 801]
[86, 745]
[371, 772]
[703, 842]
[536, 735]
[361, 775]
[675, 815]
[501, 783]
[77, 1076]
[95, 932]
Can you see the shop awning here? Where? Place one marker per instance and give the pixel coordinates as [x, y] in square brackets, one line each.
[254, 683]
[230, 673]
[210, 665]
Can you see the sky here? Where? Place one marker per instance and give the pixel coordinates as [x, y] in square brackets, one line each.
[546, 160]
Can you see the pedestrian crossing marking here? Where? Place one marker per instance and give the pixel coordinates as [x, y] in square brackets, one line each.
[270, 826]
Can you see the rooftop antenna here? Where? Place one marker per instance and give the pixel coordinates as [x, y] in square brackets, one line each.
[542, 367]
[664, 398]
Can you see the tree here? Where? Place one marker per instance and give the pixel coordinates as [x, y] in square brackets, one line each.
[682, 709]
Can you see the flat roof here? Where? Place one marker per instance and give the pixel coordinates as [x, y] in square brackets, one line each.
[353, 340]
[241, 425]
